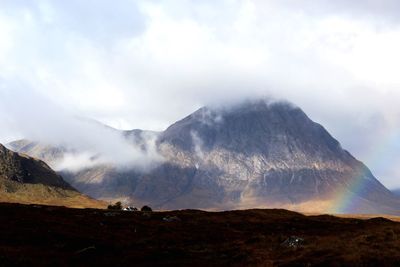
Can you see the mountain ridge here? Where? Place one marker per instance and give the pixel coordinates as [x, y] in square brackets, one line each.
[252, 154]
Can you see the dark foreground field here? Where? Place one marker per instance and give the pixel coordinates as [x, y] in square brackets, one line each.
[54, 236]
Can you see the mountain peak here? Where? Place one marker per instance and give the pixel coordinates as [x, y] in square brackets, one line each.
[252, 127]
[243, 107]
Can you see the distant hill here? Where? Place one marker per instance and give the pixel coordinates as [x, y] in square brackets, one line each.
[396, 192]
[253, 154]
[27, 180]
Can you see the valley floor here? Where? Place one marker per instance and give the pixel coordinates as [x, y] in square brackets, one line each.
[34, 235]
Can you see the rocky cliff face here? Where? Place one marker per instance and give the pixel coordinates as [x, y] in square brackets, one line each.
[253, 154]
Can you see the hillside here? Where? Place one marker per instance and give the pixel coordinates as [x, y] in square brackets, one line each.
[27, 180]
[49, 236]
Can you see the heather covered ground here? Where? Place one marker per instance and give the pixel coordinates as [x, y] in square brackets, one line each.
[33, 235]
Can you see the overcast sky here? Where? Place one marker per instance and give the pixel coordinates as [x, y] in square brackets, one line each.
[146, 64]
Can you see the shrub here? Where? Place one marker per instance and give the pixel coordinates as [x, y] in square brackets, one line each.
[116, 206]
[146, 208]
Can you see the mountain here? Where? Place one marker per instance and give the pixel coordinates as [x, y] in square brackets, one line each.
[252, 154]
[27, 180]
[46, 153]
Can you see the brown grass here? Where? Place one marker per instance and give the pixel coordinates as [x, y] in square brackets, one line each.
[14, 192]
[54, 236]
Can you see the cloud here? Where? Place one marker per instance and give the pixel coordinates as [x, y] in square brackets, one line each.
[91, 143]
[384, 10]
[146, 64]
[198, 145]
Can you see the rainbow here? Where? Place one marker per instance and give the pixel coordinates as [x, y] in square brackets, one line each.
[348, 199]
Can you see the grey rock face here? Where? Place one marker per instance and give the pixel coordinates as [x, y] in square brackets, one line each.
[253, 154]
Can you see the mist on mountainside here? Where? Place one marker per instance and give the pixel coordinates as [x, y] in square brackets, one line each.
[85, 143]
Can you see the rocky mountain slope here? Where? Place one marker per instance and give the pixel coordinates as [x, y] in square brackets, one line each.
[252, 154]
[27, 180]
